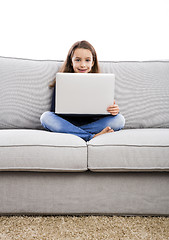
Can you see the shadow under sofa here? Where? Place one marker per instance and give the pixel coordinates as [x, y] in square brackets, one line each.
[123, 173]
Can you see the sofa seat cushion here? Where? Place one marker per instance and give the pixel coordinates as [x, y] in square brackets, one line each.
[38, 150]
[130, 150]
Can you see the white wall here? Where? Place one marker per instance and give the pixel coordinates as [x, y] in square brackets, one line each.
[118, 29]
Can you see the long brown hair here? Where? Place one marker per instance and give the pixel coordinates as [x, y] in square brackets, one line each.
[67, 65]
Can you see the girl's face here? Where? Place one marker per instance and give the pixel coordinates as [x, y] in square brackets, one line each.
[82, 60]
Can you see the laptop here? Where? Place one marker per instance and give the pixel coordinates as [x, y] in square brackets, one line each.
[84, 93]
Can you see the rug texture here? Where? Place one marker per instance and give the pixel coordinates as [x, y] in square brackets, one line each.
[83, 227]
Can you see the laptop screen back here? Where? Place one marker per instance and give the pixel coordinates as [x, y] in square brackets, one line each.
[84, 93]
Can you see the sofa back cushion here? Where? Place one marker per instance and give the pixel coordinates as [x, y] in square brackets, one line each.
[24, 91]
[142, 92]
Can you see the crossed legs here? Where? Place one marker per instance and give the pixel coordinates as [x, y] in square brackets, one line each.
[55, 123]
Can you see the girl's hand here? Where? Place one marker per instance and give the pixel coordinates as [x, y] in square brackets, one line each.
[113, 109]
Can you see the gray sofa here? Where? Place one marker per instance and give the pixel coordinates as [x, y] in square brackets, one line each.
[124, 172]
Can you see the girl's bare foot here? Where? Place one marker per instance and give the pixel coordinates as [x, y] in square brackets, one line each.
[105, 130]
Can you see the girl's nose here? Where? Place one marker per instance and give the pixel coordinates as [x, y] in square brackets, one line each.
[83, 64]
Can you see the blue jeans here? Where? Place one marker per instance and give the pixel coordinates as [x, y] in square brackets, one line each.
[55, 123]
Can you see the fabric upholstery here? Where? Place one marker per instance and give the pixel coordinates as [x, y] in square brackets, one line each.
[38, 150]
[24, 92]
[142, 92]
[130, 150]
[84, 193]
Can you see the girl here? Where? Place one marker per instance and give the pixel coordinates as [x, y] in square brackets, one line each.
[82, 58]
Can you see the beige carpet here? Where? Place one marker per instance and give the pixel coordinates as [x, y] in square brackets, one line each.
[85, 227]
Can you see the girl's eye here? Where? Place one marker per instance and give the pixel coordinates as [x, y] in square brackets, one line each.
[87, 60]
[77, 60]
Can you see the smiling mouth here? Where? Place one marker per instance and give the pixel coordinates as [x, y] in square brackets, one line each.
[82, 70]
